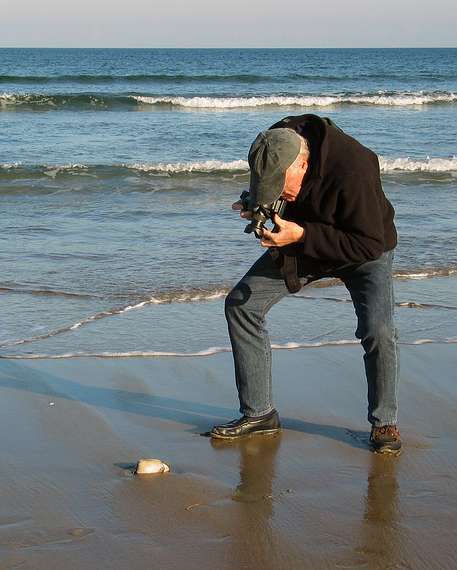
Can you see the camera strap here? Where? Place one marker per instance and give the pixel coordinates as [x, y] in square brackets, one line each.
[288, 267]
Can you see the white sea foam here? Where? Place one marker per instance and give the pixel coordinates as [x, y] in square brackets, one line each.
[402, 304]
[183, 297]
[10, 165]
[132, 354]
[52, 172]
[95, 100]
[427, 274]
[13, 99]
[205, 166]
[387, 165]
[417, 165]
[380, 98]
[213, 350]
[212, 295]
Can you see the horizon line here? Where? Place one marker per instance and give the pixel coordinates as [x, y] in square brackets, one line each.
[227, 48]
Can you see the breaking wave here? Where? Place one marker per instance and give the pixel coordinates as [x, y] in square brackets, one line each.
[104, 101]
[434, 166]
[388, 99]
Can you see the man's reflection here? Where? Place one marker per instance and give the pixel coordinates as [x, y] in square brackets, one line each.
[379, 534]
[257, 467]
[254, 538]
[382, 492]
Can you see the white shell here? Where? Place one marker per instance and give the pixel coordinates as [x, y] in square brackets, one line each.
[147, 466]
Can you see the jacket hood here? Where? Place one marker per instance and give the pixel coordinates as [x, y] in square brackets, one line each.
[315, 130]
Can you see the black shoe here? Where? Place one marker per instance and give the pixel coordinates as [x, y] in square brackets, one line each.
[265, 425]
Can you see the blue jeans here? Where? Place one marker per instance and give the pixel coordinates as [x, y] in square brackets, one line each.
[371, 290]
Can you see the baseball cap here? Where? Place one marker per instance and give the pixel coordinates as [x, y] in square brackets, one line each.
[270, 155]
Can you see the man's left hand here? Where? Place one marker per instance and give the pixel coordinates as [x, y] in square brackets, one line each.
[288, 232]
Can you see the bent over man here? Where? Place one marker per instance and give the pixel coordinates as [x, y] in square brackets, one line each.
[337, 223]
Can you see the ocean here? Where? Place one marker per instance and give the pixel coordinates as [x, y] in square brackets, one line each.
[118, 168]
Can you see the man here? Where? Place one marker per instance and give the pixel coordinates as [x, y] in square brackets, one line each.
[337, 223]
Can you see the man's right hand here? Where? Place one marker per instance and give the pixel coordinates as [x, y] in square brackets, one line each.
[246, 214]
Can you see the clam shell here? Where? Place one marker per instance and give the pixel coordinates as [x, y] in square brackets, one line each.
[148, 466]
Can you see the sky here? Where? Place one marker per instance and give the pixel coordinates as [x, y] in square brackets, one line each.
[229, 23]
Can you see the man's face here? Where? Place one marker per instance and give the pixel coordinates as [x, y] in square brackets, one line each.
[294, 178]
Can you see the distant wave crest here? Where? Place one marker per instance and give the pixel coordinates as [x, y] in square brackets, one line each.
[248, 78]
[97, 78]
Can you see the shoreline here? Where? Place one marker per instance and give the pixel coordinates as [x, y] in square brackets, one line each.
[424, 315]
[215, 350]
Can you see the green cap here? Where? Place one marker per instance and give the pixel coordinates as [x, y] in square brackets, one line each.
[270, 155]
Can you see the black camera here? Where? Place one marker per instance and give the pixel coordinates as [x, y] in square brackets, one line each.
[261, 213]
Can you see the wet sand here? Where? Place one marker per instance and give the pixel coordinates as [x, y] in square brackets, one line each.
[314, 497]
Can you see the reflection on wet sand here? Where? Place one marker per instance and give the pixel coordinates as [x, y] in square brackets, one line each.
[379, 536]
[255, 538]
[371, 538]
[381, 503]
[257, 467]
[313, 498]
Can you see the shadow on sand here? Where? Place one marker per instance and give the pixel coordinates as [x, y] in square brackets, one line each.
[202, 416]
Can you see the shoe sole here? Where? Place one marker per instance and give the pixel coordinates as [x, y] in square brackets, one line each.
[258, 432]
[386, 450]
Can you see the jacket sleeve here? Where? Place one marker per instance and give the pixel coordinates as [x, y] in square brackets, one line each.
[358, 232]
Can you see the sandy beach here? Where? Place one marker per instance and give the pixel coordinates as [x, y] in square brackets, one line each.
[314, 497]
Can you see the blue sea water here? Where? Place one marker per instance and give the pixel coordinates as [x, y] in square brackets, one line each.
[118, 168]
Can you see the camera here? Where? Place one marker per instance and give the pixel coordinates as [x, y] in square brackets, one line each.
[261, 213]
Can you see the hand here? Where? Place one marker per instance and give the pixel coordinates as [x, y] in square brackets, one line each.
[243, 213]
[289, 232]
